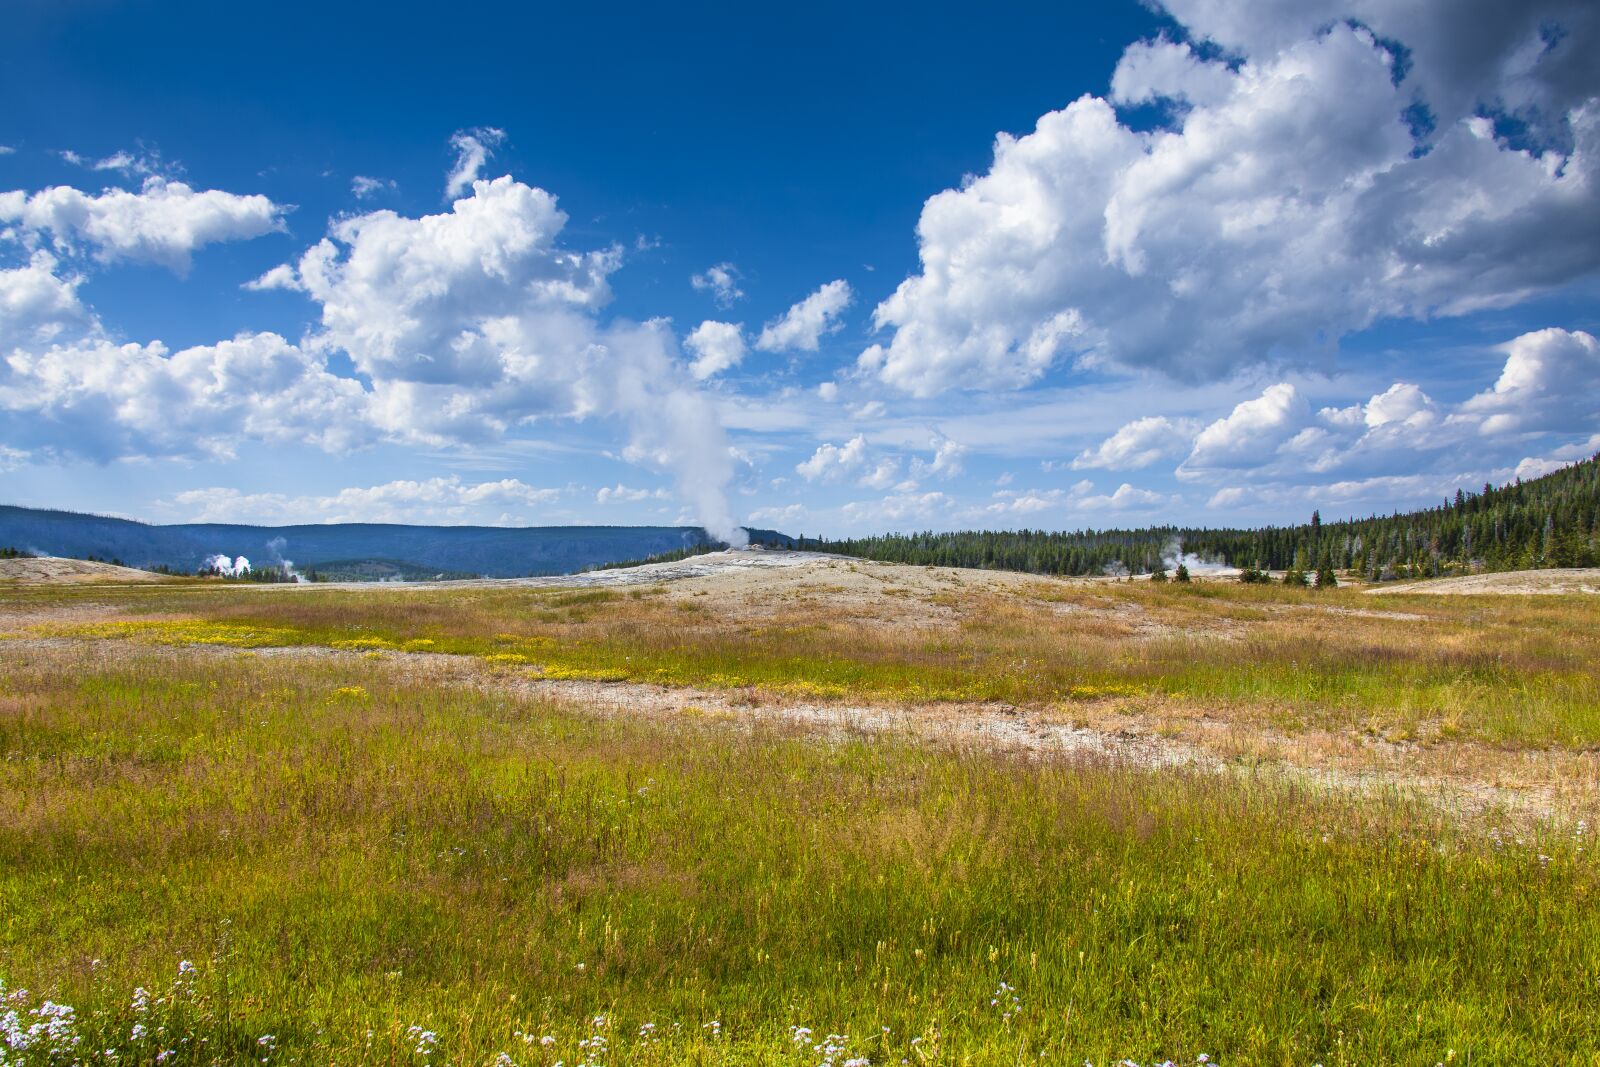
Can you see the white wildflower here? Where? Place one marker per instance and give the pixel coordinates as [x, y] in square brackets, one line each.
[426, 1040]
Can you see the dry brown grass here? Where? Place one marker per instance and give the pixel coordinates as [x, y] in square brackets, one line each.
[1494, 698]
[355, 841]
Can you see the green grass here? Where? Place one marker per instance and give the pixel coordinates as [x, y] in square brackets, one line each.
[345, 852]
[1512, 672]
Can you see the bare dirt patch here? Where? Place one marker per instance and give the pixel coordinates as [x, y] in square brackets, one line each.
[847, 590]
[54, 570]
[756, 586]
[1514, 583]
[1359, 613]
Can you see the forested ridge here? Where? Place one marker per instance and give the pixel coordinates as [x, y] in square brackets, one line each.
[1553, 521]
[491, 551]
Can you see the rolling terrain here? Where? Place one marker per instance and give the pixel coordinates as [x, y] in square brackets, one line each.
[791, 808]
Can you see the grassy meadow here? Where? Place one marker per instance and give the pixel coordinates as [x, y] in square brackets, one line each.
[234, 854]
[1504, 671]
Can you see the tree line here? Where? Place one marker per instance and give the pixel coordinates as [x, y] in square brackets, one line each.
[1553, 521]
[1034, 551]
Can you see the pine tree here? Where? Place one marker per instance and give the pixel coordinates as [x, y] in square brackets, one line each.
[1548, 521]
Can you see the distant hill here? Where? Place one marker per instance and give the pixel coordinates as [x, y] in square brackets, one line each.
[392, 549]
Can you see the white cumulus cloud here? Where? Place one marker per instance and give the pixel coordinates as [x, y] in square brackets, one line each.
[899, 508]
[102, 401]
[716, 346]
[831, 461]
[1292, 198]
[479, 294]
[721, 281]
[37, 305]
[1168, 70]
[1127, 498]
[1137, 445]
[280, 277]
[622, 494]
[803, 326]
[1550, 383]
[1017, 502]
[852, 460]
[431, 500]
[1546, 391]
[1251, 434]
[164, 223]
[948, 455]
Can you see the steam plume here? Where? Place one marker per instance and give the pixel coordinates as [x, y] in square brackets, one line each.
[276, 547]
[1173, 556]
[674, 424]
[228, 568]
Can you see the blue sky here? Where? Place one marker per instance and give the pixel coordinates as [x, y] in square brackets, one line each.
[829, 270]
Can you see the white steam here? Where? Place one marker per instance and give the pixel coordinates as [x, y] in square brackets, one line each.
[276, 547]
[1173, 556]
[673, 424]
[228, 568]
